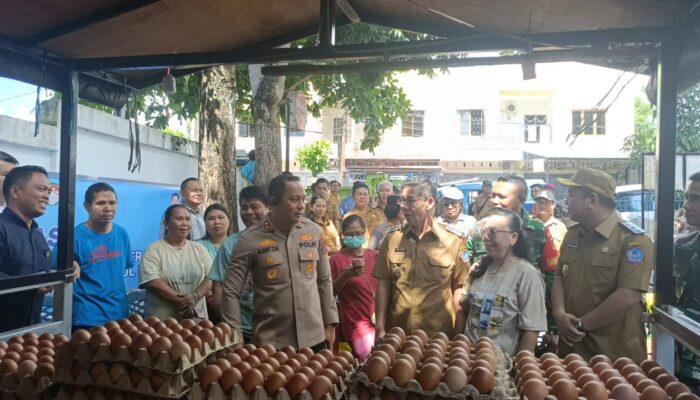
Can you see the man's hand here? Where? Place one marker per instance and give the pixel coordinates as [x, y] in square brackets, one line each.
[44, 290]
[551, 342]
[76, 271]
[567, 328]
[379, 334]
[330, 335]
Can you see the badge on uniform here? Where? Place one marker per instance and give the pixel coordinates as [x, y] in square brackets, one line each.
[271, 273]
[635, 254]
[310, 267]
[268, 260]
[565, 269]
[305, 237]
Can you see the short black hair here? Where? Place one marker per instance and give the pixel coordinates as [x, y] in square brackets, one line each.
[254, 192]
[184, 183]
[334, 181]
[251, 155]
[19, 176]
[359, 185]
[278, 186]
[315, 198]
[322, 180]
[313, 187]
[695, 177]
[8, 158]
[425, 188]
[97, 188]
[517, 181]
[347, 221]
[391, 211]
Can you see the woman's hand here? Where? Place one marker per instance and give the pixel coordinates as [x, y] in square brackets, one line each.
[186, 301]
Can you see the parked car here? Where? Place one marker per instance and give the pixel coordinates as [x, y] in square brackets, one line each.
[639, 207]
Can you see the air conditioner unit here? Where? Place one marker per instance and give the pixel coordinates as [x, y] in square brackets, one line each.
[511, 109]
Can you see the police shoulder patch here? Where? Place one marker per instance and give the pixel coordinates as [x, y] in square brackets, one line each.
[635, 254]
[632, 227]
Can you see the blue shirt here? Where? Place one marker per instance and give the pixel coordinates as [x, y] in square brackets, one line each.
[23, 251]
[346, 204]
[100, 293]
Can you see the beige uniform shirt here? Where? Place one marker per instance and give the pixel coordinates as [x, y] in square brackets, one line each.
[592, 266]
[374, 216]
[332, 209]
[423, 274]
[292, 288]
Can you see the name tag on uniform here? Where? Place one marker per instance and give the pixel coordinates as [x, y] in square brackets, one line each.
[400, 250]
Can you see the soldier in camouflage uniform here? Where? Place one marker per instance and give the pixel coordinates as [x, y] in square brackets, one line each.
[686, 272]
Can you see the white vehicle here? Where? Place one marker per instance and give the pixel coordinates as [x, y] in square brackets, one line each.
[636, 208]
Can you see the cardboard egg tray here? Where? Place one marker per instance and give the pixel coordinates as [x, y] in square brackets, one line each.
[26, 388]
[173, 387]
[70, 392]
[163, 363]
[358, 381]
[216, 393]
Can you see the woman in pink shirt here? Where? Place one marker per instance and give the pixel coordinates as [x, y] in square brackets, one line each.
[354, 285]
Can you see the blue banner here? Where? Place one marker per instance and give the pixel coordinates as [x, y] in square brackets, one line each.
[140, 211]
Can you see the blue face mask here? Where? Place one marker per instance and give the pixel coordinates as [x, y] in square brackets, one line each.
[354, 242]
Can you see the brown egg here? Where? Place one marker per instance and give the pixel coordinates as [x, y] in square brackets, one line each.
[58, 340]
[523, 353]
[322, 360]
[412, 341]
[29, 349]
[630, 369]
[455, 378]
[288, 350]
[533, 375]
[26, 368]
[297, 384]
[382, 355]
[8, 366]
[330, 374]
[273, 362]
[243, 367]
[582, 371]
[275, 382]
[645, 383]
[635, 377]
[622, 362]
[648, 364]
[265, 369]
[44, 369]
[490, 358]
[429, 376]
[585, 378]
[565, 389]
[15, 339]
[534, 389]
[398, 332]
[624, 391]
[293, 363]
[28, 356]
[185, 333]
[134, 318]
[656, 371]
[79, 336]
[594, 390]
[456, 362]
[98, 329]
[654, 393]
[556, 377]
[141, 341]
[302, 358]
[528, 367]
[30, 342]
[600, 367]
[307, 352]
[433, 353]
[253, 360]
[687, 396]
[119, 340]
[485, 364]
[46, 336]
[195, 343]
[210, 374]
[270, 349]
[571, 357]
[162, 344]
[222, 363]
[336, 367]
[135, 376]
[389, 350]
[287, 371]
[308, 372]
[348, 358]
[574, 365]
[664, 379]
[229, 378]
[45, 344]
[116, 371]
[415, 353]
[207, 336]
[614, 381]
[550, 362]
[97, 369]
[280, 356]
[402, 371]
[549, 355]
[12, 355]
[196, 329]
[252, 379]
[609, 373]
[226, 328]
[261, 354]
[420, 334]
[392, 341]
[674, 389]
[45, 359]
[600, 358]
[319, 387]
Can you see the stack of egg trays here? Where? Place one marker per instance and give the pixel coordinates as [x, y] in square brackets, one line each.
[180, 374]
[216, 393]
[502, 391]
[98, 393]
[25, 389]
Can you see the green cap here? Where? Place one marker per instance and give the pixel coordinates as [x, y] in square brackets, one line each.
[593, 179]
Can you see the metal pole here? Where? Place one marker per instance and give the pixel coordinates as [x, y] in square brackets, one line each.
[63, 295]
[286, 135]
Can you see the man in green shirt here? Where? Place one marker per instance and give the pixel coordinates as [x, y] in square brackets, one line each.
[253, 205]
[686, 271]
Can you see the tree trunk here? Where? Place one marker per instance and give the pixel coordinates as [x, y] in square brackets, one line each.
[217, 145]
[267, 92]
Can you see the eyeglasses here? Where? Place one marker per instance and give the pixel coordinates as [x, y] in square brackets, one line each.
[450, 203]
[408, 202]
[490, 232]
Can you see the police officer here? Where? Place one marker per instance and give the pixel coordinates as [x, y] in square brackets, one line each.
[285, 255]
[686, 271]
[603, 270]
[421, 269]
[451, 217]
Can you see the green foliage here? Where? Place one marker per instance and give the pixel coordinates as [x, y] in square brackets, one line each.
[687, 122]
[159, 107]
[314, 156]
[174, 132]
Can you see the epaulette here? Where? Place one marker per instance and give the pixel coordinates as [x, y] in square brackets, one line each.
[394, 228]
[632, 227]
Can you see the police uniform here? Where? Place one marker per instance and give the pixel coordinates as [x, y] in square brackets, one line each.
[292, 287]
[686, 272]
[592, 265]
[373, 217]
[423, 274]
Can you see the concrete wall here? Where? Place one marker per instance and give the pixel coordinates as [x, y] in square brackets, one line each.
[103, 148]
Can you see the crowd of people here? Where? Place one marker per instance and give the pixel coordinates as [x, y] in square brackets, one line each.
[304, 273]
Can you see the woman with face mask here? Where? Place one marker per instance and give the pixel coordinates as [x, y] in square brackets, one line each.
[504, 295]
[355, 287]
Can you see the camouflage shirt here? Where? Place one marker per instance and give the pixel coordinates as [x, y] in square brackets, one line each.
[686, 272]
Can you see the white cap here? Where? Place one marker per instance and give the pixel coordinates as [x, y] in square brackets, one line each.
[452, 193]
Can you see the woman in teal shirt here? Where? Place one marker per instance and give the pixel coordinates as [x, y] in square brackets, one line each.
[217, 223]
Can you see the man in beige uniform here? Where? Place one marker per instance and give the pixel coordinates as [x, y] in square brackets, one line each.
[373, 216]
[603, 270]
[293, 301]
[421, 269]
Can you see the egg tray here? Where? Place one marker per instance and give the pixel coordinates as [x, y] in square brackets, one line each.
[174, 387]
[358, 380]
[26, 388]
[163, 363]
[216, 393]
[74, 392]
